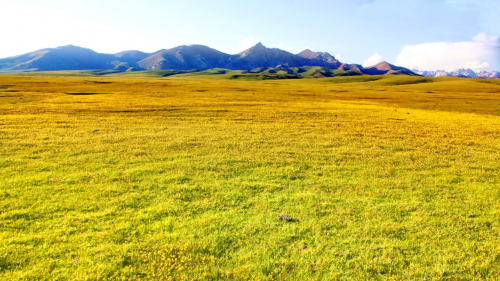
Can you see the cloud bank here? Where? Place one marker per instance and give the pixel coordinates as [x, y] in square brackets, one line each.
[374, 59]
[245, 44]
[481, 53]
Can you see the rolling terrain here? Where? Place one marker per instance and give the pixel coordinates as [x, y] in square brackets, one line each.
[260, 73]
[137, 176]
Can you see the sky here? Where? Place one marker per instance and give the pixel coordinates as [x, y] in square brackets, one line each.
[418, 34]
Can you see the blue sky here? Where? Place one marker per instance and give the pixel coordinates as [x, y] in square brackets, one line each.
[413, 33]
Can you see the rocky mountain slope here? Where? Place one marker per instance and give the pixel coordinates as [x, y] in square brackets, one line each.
[197, 57]
[185, 57]
[385, 68]
[320, 58]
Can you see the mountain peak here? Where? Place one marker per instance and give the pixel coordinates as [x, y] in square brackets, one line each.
[383, 65]
[258, 46]
[461, 73]
[72, 49]
[69, 47]
[306, 53]
[320, 58]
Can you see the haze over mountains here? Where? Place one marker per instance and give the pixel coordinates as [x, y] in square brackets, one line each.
[183, 58]
[460, 73]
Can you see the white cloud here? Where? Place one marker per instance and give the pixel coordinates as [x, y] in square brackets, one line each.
[245, 44]
[374, 59]
[487, 39]
[476, 65]
[338, 57]
[480, 53]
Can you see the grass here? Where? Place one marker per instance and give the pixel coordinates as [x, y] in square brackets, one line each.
[182, 178]
[258, 74]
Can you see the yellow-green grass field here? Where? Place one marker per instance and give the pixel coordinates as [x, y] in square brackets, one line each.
[182, 178]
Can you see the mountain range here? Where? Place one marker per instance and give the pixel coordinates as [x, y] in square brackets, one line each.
[461, 73]
[185, 57]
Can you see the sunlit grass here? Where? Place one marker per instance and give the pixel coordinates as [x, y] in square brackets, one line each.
[183, 178]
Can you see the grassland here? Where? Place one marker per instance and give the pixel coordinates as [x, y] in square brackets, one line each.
[182, 178]
[258, 74]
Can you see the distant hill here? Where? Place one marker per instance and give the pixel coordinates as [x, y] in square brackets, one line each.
[71, 58]
[185, 57]
[385, 68]
[60, 58]
[320, 59]
[192, 57]
[260, 56]
[131, 56]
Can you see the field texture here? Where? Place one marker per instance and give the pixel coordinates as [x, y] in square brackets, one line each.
[182, 178]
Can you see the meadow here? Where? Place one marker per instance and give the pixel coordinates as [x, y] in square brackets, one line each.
[122, 177]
